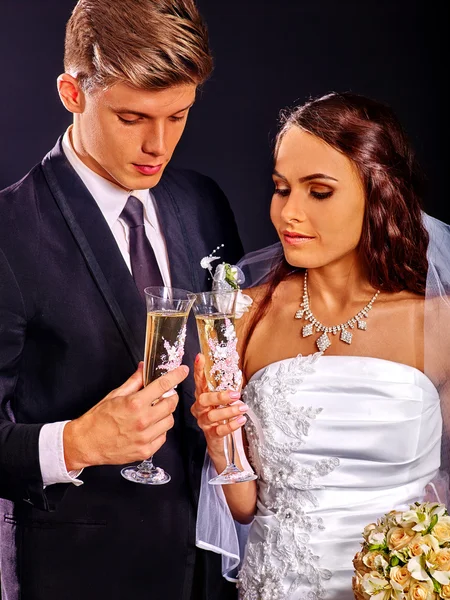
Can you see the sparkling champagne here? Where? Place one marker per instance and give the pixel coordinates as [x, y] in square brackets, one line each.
[218, 343]
[215, 316]
[164, 343]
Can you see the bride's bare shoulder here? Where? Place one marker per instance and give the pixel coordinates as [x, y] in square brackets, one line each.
[405, 296]
[401, 306]
[257, 293]
[284, 289]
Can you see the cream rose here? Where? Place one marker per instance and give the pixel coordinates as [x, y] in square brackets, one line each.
[369, 560]
[398, 537]
[360, 567]
[421, 590]
[422, 544]
[442, 530]
[442, 559]
[400, 578]
[357, 588]
[445, 591]
[415, 546]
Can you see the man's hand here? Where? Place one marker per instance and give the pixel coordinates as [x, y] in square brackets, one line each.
[126, 425]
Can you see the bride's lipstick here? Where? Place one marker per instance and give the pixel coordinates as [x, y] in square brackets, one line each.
[296, 239]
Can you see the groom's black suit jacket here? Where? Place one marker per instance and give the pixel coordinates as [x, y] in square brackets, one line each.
[72, 327]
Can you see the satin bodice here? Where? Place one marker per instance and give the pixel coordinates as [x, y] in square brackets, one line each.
[336, 442]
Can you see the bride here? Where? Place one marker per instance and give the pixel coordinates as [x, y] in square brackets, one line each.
[345, 355]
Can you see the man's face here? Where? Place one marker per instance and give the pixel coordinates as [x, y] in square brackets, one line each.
[128, 135]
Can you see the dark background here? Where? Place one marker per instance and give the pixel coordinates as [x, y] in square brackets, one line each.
[268, 55]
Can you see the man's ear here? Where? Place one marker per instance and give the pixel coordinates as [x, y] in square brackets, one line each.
[72, 96]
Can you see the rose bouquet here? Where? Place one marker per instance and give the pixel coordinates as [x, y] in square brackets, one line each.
[405, 556]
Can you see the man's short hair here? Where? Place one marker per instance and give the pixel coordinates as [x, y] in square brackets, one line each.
[149, 44]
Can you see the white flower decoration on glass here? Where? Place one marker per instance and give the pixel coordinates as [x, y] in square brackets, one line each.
[225, 358]
[175, 353]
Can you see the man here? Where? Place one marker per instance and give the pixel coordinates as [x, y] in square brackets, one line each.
[80, 237]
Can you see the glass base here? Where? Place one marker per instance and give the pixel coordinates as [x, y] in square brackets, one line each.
[154, 476]
[232, 474]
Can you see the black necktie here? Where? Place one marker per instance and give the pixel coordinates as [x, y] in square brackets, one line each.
[143, 260]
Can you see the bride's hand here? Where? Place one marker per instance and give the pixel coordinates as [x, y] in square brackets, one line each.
[215, 422]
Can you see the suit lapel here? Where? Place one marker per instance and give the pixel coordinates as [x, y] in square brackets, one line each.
[108, 269]
[102, 255]
[99, 248]
[181, 260]
[171, 201]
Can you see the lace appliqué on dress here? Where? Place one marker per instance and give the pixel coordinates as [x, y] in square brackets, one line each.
[284, 553]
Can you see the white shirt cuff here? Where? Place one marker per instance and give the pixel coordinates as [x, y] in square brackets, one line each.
[51, 456]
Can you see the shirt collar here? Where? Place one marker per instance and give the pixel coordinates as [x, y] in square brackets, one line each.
[110, 198]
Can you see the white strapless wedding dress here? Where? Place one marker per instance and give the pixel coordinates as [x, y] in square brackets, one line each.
[336, 443]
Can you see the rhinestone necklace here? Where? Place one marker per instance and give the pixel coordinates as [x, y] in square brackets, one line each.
[324, 342]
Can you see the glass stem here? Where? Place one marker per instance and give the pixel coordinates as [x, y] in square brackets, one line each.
[146, 466]
[228, 447]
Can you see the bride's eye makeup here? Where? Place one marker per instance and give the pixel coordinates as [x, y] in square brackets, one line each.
[321, 195]
[283, 192]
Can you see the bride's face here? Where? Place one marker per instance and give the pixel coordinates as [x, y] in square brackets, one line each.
[318, 204]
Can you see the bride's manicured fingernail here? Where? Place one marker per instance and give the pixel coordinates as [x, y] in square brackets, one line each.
[235, 395]
[243, 408]
[241, 420]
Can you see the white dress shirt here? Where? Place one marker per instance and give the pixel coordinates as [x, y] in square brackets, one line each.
[111, 200]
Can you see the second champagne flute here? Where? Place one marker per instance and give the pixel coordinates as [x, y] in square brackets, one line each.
[215, 314]
[167, 313]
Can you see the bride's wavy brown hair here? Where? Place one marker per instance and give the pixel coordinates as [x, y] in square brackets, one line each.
[394, 241]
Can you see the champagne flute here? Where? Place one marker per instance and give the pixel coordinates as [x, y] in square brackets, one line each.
[167, 313]
[215, 314]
